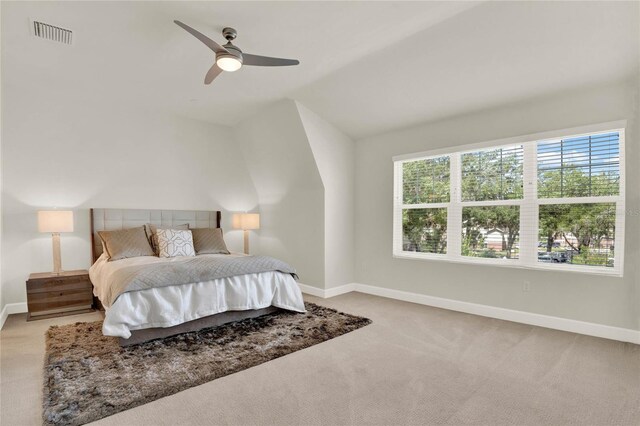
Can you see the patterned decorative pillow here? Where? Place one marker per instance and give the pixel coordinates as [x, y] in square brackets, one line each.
[209, 241]
[174, 242]
[150, 230]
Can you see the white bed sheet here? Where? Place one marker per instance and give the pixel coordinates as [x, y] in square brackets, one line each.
[173, 305]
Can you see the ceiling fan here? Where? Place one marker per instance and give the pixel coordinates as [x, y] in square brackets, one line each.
[229, 57]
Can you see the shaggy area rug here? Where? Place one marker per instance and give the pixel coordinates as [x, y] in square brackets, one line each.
[88, 376]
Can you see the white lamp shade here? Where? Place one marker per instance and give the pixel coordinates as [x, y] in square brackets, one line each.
[246, 221]
[53, 221]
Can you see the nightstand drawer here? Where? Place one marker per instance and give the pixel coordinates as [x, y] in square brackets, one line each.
[42, 286]
[46, 303]
[53, 295]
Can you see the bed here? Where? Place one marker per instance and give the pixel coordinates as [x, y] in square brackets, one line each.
[178, 302]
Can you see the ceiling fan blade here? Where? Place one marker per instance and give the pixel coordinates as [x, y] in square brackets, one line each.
[266, 61]
[203, 38]
[213, 72]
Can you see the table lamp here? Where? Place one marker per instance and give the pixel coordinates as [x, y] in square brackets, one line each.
[246, 221]
[55, 222]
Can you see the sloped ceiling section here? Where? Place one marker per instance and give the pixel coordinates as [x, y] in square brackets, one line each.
[495, 54]
[366, 67]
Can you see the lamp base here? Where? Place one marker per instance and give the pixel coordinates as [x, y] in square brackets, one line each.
[57, 258]
[246, 242]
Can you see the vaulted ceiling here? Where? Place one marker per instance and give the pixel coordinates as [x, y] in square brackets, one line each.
[367, 67]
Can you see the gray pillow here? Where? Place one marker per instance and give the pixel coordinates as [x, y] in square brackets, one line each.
[209, 241]
[150, 230]
[126, 243]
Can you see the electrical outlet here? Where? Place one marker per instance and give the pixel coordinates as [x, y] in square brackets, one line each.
[526, 287]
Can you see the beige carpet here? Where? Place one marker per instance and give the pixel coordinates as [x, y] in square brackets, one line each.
[413, 365]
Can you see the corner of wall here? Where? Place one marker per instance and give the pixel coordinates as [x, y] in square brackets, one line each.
[291, 195]
[334, 154]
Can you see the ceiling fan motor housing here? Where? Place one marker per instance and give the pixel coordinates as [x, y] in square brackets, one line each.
[229, 33]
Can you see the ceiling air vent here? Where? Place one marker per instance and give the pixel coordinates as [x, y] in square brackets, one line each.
[51, 32]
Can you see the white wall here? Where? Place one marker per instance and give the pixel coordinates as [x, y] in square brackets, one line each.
[289, 188]
[334, 153]
[58, 151]
[604, 300]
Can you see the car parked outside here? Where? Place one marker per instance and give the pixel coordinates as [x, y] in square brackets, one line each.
[544, 257]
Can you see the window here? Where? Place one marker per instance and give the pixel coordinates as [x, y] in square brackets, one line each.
[494, 174]
[570, 171]
[534, 202]
[426, 181]
[581, 234]
[425, 187]
[491, 232]
[587, 166]
[424, 230]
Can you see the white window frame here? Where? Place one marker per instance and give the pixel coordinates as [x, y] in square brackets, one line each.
[529, 204]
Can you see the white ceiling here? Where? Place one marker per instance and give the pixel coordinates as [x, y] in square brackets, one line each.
[132, 52]
[494, 54]
[367, 67]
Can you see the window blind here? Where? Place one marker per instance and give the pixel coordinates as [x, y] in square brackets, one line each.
[422, 216]
[426, 181]
[494, 174]
[585, 166]
[424, 230]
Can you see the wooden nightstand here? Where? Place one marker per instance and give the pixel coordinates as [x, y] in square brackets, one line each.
[50, 295]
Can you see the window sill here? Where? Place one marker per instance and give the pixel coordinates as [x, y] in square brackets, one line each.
[502, 263]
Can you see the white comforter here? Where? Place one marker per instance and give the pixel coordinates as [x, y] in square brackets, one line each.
[173, 305]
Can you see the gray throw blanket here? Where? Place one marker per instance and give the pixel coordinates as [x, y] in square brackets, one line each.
[191, 270]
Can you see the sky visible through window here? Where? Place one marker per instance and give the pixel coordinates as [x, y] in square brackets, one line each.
[585, 166]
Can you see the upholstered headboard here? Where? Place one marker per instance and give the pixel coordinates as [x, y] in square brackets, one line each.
[114, 219]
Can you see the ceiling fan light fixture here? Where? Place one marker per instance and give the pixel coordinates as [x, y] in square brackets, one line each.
[229, 57]
[228, 63]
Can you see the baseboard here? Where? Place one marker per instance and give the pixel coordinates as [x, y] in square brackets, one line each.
[314, 291]
[330, 292]
[337, 291]
[547, 321]
[11, 308]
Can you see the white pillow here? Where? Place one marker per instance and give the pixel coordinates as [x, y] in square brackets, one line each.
[150, 230]
[174, 242]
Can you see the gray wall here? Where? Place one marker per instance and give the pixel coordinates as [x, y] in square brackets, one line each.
[289, 188]
[605, 300]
